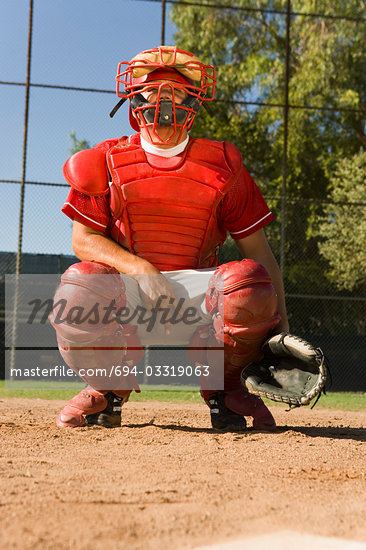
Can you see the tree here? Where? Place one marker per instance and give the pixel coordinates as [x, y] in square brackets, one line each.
[327, 69]
[78, 144]
[343, 228]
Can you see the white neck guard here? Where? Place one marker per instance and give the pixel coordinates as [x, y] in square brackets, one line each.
[167, 153]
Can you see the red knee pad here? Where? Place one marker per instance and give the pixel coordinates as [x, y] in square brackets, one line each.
[88, 296]
[243, 302]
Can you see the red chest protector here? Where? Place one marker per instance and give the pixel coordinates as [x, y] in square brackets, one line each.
[163, 209]
[167, 208]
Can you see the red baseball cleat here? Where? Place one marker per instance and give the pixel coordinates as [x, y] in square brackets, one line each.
[88, 401]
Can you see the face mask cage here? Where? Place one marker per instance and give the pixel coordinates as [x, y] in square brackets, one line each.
[165, 112]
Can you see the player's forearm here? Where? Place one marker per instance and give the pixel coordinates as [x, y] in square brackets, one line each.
[99, 248]
[274, 271]
[256, 247]
[268, 260]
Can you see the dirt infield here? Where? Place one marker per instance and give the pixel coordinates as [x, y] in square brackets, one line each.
[165, 480]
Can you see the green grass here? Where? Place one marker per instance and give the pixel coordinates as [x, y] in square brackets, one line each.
[148, 393]
[9, 389]
[343, 401]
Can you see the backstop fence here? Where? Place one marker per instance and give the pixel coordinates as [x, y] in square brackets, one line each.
[330, 318]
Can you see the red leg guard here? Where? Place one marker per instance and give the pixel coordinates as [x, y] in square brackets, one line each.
[243, 303]
[91, 339]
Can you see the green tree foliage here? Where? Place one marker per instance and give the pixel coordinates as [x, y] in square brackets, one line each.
[343, 227]
[78, 144]
[327, 70]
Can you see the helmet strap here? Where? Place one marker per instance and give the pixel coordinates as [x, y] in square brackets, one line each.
[116, 107]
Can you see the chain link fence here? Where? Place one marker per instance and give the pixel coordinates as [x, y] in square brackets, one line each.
[39, 236]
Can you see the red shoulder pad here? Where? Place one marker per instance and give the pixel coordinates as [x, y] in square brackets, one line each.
[233, 156]
[86, 171]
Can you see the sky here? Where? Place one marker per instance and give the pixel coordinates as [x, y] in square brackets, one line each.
[75, 43]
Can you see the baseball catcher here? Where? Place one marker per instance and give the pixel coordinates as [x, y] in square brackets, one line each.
[149, 212]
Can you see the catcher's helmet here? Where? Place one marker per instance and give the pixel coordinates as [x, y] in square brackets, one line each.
[159, 68]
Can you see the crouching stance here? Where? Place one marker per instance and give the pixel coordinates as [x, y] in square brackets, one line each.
[243, 305]
[161, 201]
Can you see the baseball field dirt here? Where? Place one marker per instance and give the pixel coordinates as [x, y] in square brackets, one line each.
[165, 480]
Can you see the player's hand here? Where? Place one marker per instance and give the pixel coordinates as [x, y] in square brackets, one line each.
[156, 291]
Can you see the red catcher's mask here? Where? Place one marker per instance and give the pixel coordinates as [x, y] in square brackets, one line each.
[158, 69]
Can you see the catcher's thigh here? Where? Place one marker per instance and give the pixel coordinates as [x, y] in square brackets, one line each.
[91, 340]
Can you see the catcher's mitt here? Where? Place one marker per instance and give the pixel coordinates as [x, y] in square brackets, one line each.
[292, 371]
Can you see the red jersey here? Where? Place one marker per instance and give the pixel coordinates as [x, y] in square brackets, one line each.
[242, 209]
